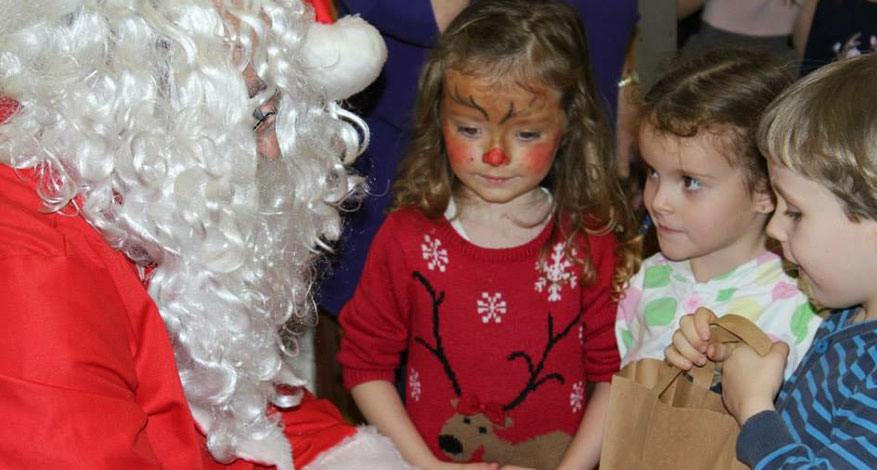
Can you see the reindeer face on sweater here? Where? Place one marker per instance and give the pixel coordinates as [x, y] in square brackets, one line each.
[467, 433]
[471, 437]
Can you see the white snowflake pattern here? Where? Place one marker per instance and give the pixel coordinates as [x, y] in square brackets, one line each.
[434, 254]
[577, 397]
[555, 274]
[414, 385]
[491, 307]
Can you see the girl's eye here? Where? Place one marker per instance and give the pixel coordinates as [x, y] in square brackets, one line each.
[794, 216]
[262, 117]
[691, 184]
[527, 136]
[467, 131]
[650, 172]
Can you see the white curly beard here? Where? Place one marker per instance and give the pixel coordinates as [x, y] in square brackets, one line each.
[148, 119]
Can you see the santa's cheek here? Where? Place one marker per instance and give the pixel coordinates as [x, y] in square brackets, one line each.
[267, 145]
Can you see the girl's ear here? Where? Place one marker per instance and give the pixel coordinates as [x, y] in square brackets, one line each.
[764, 200]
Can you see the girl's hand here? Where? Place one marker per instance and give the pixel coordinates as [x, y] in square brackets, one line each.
[691, 342]
[439, 465]
[751, 382]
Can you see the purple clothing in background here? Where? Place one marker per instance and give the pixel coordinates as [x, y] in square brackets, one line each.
[410, 30]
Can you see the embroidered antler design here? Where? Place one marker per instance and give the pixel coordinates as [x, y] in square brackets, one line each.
[470, 433]
[438, 350]
[534, 381]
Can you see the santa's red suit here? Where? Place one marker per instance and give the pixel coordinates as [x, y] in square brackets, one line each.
[88, 374]
[88, 378]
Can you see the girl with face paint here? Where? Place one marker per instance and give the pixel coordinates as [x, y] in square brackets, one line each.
[499, 266]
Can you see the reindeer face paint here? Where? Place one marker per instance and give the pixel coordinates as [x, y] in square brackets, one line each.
[500, 138]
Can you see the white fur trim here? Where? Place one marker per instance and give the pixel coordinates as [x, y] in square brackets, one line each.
[274, 449]
[345, 57]
[365, 450]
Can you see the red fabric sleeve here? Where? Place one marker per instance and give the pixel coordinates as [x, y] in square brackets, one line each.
[601, 358]
[66, 373]
[375, 321]
[313, 427]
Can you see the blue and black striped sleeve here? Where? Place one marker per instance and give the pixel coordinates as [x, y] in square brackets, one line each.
[840, 432]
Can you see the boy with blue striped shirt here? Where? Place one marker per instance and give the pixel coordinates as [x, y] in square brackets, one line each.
[820, 139]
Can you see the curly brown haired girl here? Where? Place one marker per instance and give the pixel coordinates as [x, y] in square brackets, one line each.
[499, 266]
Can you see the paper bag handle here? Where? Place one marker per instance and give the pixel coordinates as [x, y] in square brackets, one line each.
[733, 328]
[730, 328]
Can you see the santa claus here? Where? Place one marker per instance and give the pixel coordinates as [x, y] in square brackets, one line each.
[169, 170]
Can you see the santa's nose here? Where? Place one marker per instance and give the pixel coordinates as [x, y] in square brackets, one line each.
[495, 157]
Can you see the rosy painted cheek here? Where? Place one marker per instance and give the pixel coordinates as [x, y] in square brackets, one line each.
[459, 151]
[539, 157]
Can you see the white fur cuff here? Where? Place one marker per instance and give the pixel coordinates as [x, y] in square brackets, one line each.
[365, 450]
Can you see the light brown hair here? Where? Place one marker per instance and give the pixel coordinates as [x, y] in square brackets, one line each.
[526, 43]
[825, 128]
[722, 92]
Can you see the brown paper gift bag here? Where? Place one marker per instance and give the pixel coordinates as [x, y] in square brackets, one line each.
[660, 419]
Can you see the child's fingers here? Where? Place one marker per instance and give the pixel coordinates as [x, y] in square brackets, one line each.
[688, 328]
[702, 319]
[479, 466]
[718, 352]
[675, 359]
[683, 346]
[780, 351]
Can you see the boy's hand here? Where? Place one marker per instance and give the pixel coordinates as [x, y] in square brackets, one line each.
[691, 342]
[751, 382]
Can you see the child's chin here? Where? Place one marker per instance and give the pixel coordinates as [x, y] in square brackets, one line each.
[673, 254]
[817, 299]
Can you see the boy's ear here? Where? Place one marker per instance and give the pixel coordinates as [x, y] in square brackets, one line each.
[764, 200]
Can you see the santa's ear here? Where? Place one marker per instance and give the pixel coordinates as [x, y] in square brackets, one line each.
[344, 57]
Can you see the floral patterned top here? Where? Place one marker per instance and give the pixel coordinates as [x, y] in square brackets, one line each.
[760, 290]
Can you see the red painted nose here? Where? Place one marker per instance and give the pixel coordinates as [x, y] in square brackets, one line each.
[495, 157]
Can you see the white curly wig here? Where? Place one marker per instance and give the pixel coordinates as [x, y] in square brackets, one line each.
[136, 114]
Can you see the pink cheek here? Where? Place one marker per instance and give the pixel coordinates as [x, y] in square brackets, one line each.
[540, 157]
[459, 152]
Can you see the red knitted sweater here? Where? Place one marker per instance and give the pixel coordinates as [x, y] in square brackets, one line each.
[499, 345]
